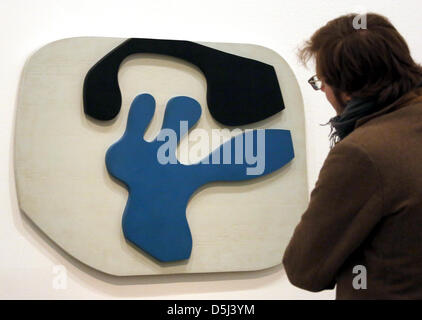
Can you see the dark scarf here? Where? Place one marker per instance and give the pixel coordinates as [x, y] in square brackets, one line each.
[356, 108]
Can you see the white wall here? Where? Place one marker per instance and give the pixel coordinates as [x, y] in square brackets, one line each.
[27, 257]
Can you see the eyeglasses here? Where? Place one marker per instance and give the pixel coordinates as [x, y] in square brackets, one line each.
[315, 82]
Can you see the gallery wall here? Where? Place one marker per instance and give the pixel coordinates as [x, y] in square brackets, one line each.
[32, 265]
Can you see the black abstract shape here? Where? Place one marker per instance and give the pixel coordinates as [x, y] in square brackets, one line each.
[239, 90]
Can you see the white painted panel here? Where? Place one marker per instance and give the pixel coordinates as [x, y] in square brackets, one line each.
[65, 189]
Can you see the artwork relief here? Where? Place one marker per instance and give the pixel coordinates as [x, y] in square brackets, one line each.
[147, 156]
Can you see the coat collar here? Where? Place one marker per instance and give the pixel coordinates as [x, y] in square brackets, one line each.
[412, 97]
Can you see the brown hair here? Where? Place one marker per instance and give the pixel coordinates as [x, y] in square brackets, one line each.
[364, 63]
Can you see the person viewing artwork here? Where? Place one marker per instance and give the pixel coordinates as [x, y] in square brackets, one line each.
[362, 230]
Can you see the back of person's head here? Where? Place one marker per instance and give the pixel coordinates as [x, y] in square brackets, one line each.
[372, 62]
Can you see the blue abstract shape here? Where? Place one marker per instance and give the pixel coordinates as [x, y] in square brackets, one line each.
[155, 215]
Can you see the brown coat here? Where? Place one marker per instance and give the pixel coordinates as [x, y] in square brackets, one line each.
[366, 209]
